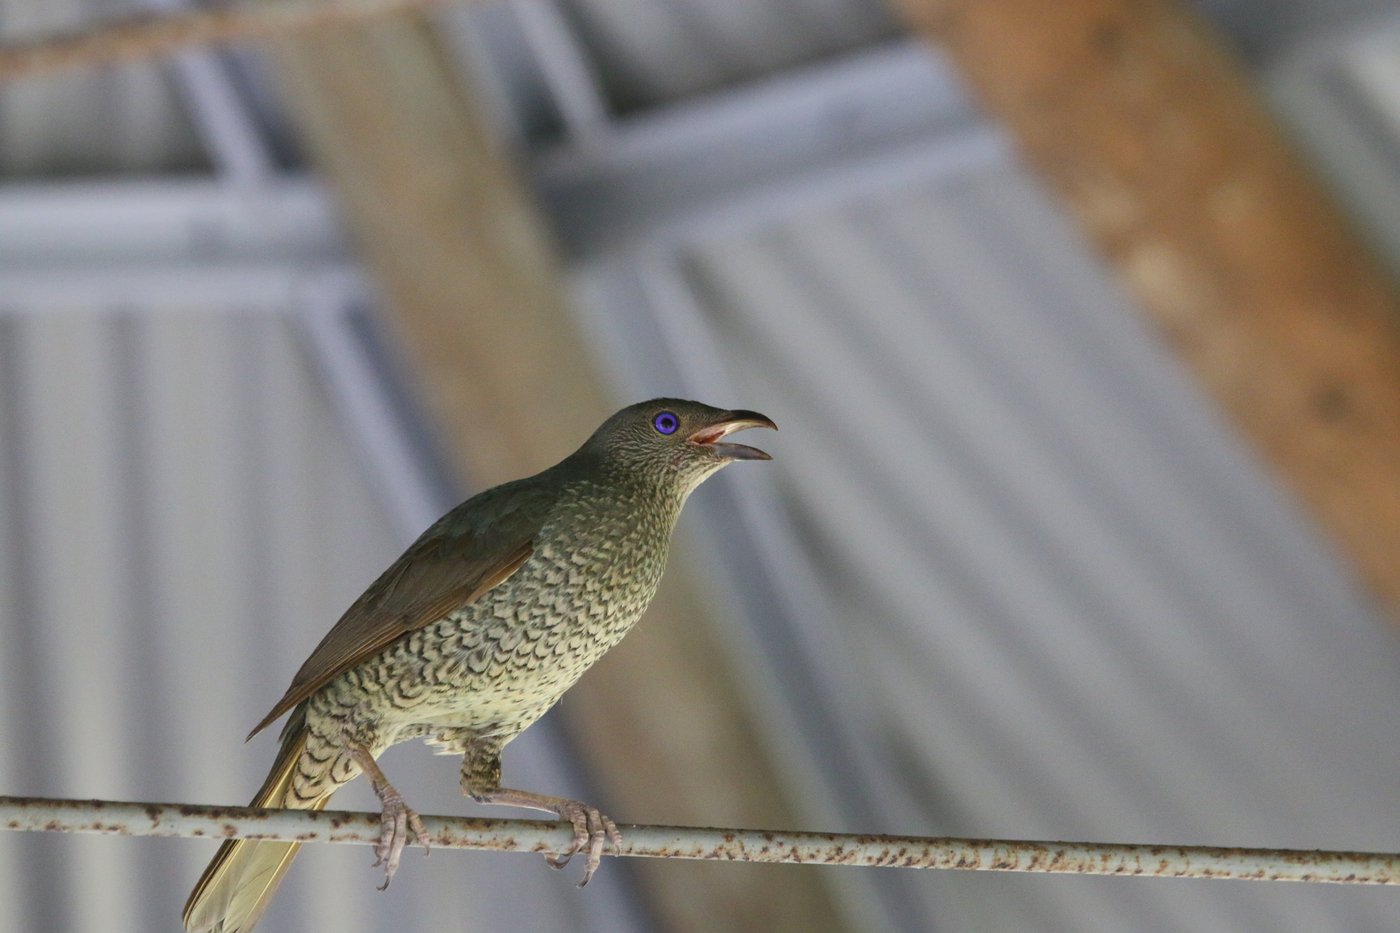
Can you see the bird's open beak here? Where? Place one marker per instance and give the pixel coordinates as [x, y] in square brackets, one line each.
[728, 423]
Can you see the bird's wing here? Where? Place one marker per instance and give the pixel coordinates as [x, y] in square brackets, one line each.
[473, 548]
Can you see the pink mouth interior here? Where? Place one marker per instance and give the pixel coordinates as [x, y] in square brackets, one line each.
[710, 436]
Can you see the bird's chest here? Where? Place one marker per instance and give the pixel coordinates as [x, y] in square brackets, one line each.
[513, 653]
[578, 594]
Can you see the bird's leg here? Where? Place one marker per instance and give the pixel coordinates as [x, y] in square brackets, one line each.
[397, 821]
[481, 780]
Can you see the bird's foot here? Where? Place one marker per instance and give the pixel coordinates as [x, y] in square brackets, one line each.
[592, 829]
[398, 824]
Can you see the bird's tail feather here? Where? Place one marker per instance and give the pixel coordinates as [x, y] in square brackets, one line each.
[234, 890]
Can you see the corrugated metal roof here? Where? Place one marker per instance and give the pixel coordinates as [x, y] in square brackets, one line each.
[127, 118]
[649, 52]
[1075, 606]
[1009, 574]
[183, 516]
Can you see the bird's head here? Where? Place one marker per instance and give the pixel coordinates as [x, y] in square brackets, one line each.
[673, 441]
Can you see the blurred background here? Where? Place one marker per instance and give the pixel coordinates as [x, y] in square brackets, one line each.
[1019, 567]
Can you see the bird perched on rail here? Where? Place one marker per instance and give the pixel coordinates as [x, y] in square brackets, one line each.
[475, 632]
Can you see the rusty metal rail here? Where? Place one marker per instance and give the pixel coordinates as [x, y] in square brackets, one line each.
[742, 845]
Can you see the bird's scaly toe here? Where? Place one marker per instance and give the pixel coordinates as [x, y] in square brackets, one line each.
[398, 825]
[592, 831]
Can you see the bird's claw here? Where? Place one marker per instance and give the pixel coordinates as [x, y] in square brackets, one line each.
[592, 830]
[397, 825]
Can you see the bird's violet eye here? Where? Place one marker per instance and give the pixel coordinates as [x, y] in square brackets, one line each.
[665, 422]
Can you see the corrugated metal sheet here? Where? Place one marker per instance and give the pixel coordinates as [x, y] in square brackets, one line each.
[1259, 29]
[649, 52]
[642, 53]
[1075, 607]
[1008, 576]
[127, 118]
[182, 518]
[1340, 97]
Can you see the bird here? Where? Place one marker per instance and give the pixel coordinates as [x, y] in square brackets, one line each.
[474, 633]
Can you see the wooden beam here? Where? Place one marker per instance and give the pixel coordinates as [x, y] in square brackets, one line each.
[1137, 115]
[476, 294]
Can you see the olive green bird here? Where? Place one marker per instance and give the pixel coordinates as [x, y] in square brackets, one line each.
[475, 632]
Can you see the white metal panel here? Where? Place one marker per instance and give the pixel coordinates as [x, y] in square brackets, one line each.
[192, 517]
[1085, 611]
[118, 119]
[81, 658]
[654, 51]
[96, 228]
[1119, 627]
[1068, 602]
[12, 605]
[1339, 97]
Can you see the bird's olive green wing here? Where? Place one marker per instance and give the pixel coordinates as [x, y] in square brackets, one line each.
[471, 549]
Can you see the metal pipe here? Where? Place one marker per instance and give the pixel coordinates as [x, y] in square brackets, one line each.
[742, 845]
